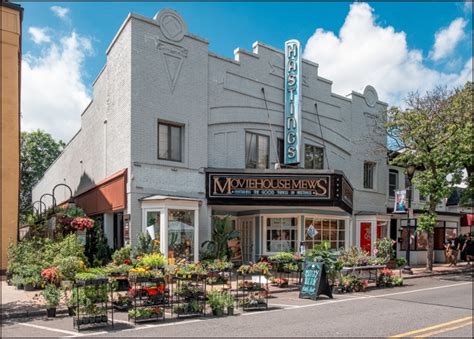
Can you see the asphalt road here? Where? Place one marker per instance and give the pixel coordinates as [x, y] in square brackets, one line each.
[438, 306]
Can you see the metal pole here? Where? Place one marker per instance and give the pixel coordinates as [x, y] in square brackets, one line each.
[407, 268]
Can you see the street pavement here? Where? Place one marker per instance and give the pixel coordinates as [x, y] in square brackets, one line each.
[435, 306]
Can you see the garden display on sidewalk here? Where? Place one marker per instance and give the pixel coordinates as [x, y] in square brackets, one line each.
[93, 282]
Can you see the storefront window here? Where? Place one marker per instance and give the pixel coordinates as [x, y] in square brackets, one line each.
[313, 157]
[281, 234]
[421, 241]
[181, 234]
[444, 230]
[324, 229]
[403, 236]
[153, 219]
[382, 229]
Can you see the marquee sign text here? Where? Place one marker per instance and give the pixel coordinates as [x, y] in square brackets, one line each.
[292, 121]
[247, 186]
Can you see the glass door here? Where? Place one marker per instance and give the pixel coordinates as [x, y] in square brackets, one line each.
[247, 230]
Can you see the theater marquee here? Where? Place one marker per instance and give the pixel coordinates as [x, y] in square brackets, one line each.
[279, 189]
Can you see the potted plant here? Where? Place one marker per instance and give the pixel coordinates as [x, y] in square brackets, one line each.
[17, 281]
[51, 295]
[217, 302]
[229, 303]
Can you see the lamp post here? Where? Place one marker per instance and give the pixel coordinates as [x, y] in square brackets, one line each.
[409, 171]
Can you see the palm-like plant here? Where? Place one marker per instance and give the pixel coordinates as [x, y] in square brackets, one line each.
[217, 248]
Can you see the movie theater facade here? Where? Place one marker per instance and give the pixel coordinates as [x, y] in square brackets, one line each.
[177, 136]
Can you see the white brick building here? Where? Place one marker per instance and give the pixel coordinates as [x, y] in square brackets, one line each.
[170, 120]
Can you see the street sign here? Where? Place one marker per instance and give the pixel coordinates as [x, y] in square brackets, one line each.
[315, 281]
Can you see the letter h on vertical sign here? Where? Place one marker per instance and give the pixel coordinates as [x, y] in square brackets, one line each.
[292, 123]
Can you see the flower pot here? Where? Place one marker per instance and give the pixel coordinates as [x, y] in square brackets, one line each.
[230, 311]
[29, 287]
[19, 286]
[218, 312]
[51, 312]
[71, 311]
[392, 264]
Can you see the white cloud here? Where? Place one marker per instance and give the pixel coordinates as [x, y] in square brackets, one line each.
[467, 6]
[53, 91]
[39, 35]
[61, 12]
[447, 39]
[366, 53]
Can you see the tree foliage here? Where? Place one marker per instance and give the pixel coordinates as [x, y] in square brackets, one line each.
[38, 150]
[432, 134]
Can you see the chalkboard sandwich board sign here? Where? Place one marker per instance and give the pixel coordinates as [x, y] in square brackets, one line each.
[315, 281]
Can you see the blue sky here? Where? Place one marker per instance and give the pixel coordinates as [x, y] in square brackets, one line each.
[406, 46]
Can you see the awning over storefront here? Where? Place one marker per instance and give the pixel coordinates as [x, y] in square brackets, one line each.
[279, 188]
[107, 195]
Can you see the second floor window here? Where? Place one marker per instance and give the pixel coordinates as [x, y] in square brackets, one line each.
[392, 183]
[169, 142]
[313, 157]
[256, 150]
[369, 171]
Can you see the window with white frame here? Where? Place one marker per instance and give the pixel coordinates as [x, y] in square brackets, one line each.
[169, 141]
[281, 235]
[369, 173]
[392, 182]
[332, 230]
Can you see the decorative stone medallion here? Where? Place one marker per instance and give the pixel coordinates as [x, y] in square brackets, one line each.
[172, 25]
[371, 96]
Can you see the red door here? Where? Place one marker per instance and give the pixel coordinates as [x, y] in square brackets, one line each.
[366, 236]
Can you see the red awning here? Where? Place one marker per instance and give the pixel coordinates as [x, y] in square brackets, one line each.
[467, 219]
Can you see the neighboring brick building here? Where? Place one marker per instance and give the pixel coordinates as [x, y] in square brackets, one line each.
[12, 16]
[171, 125]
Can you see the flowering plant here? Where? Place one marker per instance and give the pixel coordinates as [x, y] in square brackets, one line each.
[51, 275]
[81, 224]
[385, 278]
[384, 249]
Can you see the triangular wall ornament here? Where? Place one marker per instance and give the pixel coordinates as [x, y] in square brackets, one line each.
[173, 65]
[173, 57]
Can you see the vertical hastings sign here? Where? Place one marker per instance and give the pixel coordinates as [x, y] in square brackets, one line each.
[292, 102]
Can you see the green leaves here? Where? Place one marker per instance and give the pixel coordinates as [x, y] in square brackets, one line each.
[38, 150]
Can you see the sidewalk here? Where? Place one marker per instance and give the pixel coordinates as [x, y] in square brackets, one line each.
[419, 271]
[21, 304]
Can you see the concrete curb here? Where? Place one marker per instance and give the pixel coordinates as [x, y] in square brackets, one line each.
[432, 274]
[30, 314]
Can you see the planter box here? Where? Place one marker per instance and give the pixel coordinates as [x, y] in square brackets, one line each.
[123, 307]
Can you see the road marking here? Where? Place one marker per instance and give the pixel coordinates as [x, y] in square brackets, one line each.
[445, 330]
[49, 329]
[301, 306]
[411, 333]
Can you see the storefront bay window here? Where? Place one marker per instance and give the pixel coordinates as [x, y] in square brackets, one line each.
[181, 234]
[281, 235]
[174, 222]
[153, 220]
[443, 231]
[320, 229]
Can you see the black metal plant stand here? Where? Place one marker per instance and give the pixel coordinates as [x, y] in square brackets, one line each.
[92, 307]
[150, 297]
[189, 298]
[252, 291]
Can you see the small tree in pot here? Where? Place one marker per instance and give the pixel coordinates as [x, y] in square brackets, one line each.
[51, 295]
[217, 302]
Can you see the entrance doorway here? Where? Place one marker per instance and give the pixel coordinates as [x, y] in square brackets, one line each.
[246, 228]
[366, 236]
[118, 230]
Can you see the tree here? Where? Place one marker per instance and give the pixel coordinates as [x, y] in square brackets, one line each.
[427, 134]
[461, 105]
[38, 150]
